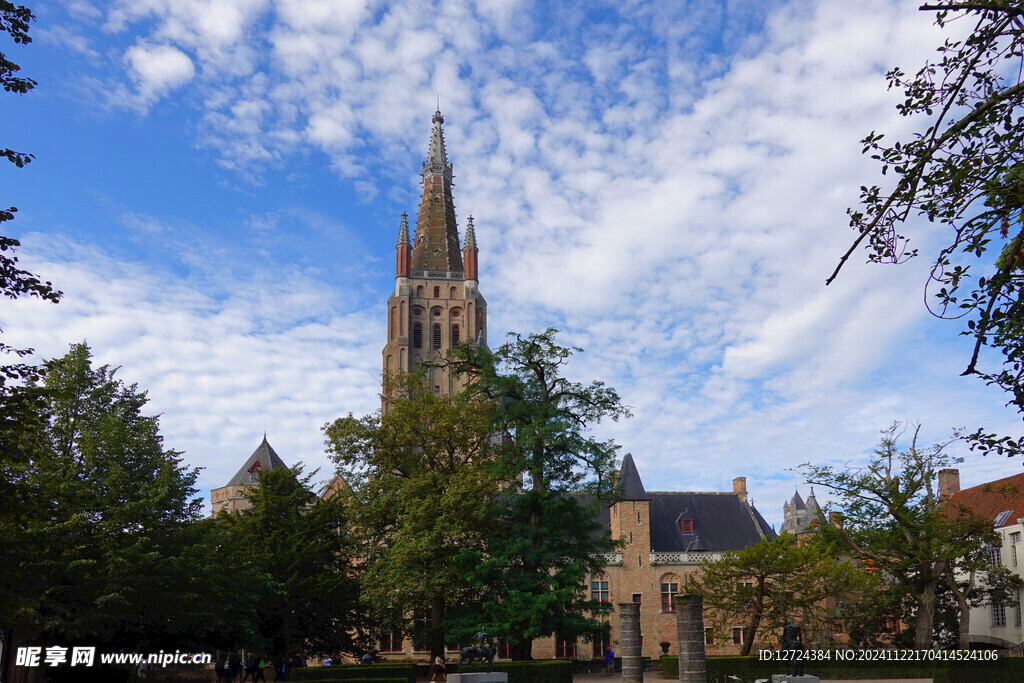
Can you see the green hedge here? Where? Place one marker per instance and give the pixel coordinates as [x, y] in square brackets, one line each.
[537, 671]
[349, 672]
[1005, 670]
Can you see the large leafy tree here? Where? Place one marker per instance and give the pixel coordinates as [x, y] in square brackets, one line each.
[963, 169]
[537, 561]
[302, 581]
[765, 584]
[424, 476]
[896, 522]
[102, 505]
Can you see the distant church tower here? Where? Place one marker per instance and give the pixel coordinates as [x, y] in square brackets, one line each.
[436, 303]
[798, 516]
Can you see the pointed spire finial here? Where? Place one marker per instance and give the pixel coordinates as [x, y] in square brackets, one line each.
[470, 234]
[403, 231]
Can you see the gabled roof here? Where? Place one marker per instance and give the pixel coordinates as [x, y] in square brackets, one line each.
[721, 521]
[630, 485]
[265, 455]
[995, 497]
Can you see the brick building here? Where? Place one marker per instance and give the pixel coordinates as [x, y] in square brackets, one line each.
[667, 537]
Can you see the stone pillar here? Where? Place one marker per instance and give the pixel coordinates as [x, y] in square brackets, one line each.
[690, 631]
[629, 642]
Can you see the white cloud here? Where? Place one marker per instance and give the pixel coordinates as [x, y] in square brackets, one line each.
[158, 69]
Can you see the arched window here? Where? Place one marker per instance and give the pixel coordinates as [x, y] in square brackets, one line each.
[417, 335]
[455, 335]
[419, 290]
[437, 292]
[451, 293]
[437, 336]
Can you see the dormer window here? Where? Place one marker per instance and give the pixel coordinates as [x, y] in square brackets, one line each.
[254, 472]
[686, 526]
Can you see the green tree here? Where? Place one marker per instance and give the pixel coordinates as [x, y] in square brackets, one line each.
[894, 519]
[304, 584]
[536, 562]
[963, 169]
[424, 480]
[101, 508]
[765, 584]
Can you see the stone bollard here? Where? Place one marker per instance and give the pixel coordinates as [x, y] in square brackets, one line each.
[629, 642]
[690, 631]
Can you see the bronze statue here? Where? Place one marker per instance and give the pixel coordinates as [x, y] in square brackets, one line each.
[793, 644]
[483, 650]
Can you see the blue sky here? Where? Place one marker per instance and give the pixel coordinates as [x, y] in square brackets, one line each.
[218, 187]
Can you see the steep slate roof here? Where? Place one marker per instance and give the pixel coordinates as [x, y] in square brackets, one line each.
[721, 521]
[798, 501]
[988, 500]
[265, 455]
[630, 485]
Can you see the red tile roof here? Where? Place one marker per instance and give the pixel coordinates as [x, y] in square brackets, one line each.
[988, 500]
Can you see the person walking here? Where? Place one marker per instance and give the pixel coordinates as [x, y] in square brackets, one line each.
[440, 670]
[609, 661]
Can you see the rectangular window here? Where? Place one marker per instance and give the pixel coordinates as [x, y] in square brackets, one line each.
[999, 614]
[737, 635]
[564, 648]
[1014, 540]
[392, 642]
[995, 556]
[599, 591]
[669, 591]
[504, 650]
[1016, 611]
[709, 639]
[744, 586]
[600, 646]
[686, 526]
[638, 597]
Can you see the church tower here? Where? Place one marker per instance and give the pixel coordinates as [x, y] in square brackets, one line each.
[436, 303]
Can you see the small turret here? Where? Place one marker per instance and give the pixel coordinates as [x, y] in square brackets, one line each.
[469, 251]
[403, 248]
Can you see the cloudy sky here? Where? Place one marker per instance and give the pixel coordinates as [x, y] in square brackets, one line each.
[218, 187]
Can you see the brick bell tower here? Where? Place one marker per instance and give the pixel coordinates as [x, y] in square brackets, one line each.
[436, 303]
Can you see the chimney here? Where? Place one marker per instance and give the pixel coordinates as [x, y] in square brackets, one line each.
[739, 486]
[949, 483]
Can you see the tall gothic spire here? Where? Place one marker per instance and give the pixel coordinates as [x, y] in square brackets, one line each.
[436, 247]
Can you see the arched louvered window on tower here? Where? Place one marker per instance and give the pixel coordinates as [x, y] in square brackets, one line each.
[437, 336]
[417, 335]
[455, 335]
[437, 292]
